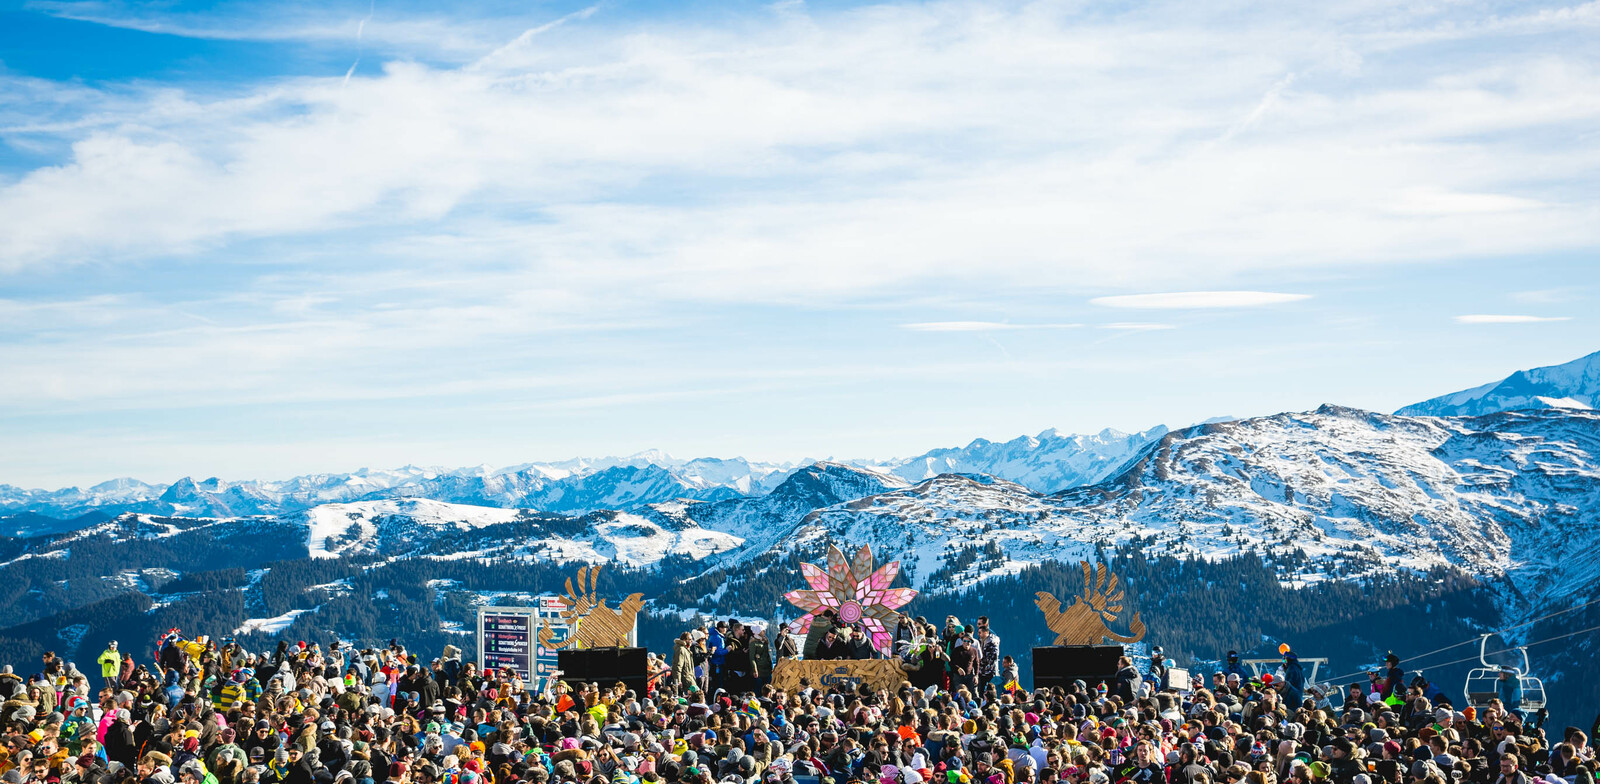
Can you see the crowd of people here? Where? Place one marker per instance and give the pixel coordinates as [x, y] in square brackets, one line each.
[210, 712]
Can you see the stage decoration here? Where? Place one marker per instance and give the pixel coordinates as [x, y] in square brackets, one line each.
[1085, 622]
[854, 592]
[593, 624]
[876, 674]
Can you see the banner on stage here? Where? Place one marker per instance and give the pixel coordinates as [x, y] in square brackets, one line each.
[849, 674]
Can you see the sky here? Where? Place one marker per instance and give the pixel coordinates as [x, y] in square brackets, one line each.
[257, 240]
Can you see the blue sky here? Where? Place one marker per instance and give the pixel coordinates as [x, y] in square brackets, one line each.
[253, 240]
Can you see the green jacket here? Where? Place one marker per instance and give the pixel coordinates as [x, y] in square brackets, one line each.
[110, 663]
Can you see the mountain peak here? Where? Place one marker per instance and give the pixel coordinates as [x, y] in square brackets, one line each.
[1574, 385]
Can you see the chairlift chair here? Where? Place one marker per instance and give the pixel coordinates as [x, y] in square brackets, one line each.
[1483, 681]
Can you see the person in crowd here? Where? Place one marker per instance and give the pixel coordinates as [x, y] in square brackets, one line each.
[760, 650]
[859, 647]
[1294, 678]
[111, 666]
[1234, 667]
[1129, 683]
[988, 651]
[1393, 678]
[682, 663]
[717, 647]
[1509, 689]
[319, 718]
[1160, 677]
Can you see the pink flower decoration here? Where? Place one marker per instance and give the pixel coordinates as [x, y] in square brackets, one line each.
[853, 590]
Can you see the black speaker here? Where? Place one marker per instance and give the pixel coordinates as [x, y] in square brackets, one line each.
[604, 666]
[1060, 665]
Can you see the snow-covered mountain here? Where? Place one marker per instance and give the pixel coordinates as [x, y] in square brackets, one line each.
[1346, 493]
[433, 529]
[1047, 462]
[572, 486]
[760, 522]
[1574, 384]
[1340, 493]
[1051, 461]
[1467, 523]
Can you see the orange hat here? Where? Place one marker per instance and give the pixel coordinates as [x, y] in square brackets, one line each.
[1470, 712]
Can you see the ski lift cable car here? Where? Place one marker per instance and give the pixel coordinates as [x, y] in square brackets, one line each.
[1483, 682]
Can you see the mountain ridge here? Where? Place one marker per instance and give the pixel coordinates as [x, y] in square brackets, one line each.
[1574, 384]
[576, 486]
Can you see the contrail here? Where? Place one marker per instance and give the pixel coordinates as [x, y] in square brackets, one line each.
[360, 27]
[528, 34]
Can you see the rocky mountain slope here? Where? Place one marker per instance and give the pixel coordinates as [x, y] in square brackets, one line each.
[1334, 493]
[1574, 384]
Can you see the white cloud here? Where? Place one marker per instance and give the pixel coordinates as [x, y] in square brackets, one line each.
[991, 148]
[571, 212]
[1180, 300]
[978, 326]
[1431, 201]
[1544, 296]
[1136, 326]
[1487, 318]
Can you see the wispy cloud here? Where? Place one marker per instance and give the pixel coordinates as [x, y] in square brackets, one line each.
[1433, 201]
[610, 202]
[979, 326]
[1489, 318]
[1544, 296]
[459, 38]
[1136, 326]
[987, 140]
[1182, 300]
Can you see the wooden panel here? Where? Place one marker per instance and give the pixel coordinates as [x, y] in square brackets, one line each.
[1085, 621]
[877, 674]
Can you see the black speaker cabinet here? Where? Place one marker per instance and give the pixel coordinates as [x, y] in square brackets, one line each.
[1060, 665]
[604, 666]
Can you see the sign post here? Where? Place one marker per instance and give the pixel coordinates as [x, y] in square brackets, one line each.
[545, 659]
[506, 639]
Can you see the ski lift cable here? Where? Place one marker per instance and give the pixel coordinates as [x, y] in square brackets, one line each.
[1492, 653]
[1501, 631]
[1529, 645]
[1475, 639]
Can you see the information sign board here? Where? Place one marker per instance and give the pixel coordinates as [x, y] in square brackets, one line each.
[506, 638]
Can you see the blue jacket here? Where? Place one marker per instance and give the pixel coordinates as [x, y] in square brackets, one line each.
[173, 691]
[1510, 691]
[1294, 678]
[717, 646]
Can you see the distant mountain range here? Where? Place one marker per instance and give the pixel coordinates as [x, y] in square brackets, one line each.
[1575, 384]
[1050, 461]
[1490, 518]
[1047, 463]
